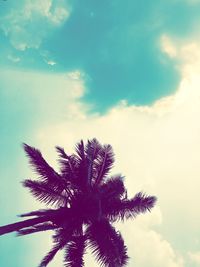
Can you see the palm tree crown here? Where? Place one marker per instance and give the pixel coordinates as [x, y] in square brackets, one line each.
[86, 201]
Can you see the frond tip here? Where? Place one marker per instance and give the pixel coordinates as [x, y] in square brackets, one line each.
[107, 244]
[51, 254]
[36, 228]
[75, 250]
[41, 167]
[143, 202]
[129, 208]
[44, 193]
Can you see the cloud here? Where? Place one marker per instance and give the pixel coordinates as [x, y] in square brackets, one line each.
[14, 58]
[31, 21]
[158, 150]
[146, 247]
[149, 248]
[194, 257]
[168, 47]
[48, 58]
[51, 62]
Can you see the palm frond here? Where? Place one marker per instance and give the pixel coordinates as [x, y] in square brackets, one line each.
[39, 213]
[13, 227]
[39, 164]
[82, 171]
[80, 150]
[50, 255]
[44, 193]
[73, 170]
[68, 164]
[113, 188]
[93, 148]
[36, 228]
[74, 252]
[60, 239]
[121, 209]
[104, 163]
[84, 195]
[107, 245]
[142, 202]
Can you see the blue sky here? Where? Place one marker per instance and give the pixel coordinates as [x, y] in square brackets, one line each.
[124, 72]
[115, 45]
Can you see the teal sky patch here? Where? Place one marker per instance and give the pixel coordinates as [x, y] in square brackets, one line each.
[116, 45]
[118, 48]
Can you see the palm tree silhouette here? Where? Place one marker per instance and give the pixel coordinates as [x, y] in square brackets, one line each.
[86, 202]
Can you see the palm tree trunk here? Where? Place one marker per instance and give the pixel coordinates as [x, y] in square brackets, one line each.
[23, 224]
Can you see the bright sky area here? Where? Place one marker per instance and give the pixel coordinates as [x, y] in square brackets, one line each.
[125, 72]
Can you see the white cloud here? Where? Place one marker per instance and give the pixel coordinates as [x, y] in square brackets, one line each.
[51, 62]
[48, 58]
[194, 257]
[168, 47]
[158, 150]
[14, 58]
[32, 20]
[148, 248]
[74, 75]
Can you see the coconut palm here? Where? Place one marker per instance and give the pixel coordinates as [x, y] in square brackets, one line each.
[85, 201]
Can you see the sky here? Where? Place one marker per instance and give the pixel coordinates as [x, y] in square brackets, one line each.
[125, 72]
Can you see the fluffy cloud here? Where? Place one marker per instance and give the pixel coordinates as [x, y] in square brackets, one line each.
[32, 20]
[14, 58]
[158, 150]
[194, 257]
[148, 248]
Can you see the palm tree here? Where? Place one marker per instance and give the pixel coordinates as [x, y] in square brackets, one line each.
[86, 201]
